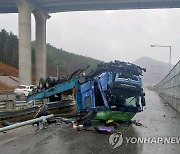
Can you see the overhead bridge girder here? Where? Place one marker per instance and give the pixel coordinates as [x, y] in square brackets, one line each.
[52, 6]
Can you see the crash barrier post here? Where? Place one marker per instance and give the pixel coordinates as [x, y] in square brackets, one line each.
[169, 87]
[42, 121]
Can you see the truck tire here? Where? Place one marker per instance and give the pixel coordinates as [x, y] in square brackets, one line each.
[51, 81]
[42, 83]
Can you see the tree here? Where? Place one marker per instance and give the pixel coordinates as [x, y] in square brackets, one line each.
[9, 48]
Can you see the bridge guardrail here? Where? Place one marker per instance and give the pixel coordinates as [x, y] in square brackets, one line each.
[169, 87]
[10, 104]
[6, 94]
[2, 105]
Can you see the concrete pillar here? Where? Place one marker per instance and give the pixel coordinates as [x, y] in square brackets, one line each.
[25, 66]
[41, 51]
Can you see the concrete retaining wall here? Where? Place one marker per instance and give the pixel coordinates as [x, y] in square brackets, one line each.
[173, 101]
[169, 87]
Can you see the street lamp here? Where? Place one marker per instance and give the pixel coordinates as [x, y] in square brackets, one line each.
[165, 46]
[57, 71]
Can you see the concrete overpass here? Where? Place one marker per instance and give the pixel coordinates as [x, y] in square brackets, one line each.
[41, 8]
[52, 6]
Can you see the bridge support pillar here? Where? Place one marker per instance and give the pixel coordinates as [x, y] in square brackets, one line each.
[41, 52]
[25, 66]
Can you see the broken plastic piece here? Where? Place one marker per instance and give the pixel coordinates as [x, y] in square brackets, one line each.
[104, 129]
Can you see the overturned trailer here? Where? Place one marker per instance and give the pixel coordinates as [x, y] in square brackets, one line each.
[113, 91]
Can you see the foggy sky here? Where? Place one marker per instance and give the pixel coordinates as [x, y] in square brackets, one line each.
[107, 35]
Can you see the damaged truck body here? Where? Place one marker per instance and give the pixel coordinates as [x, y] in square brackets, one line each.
[113, 91]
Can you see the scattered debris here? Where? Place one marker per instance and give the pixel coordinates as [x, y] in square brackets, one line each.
[136, 123]
[65, 120]
[42, 111]
[6, 123]
[80, 127]
[86, 117]
[51, 121]
[87, 123]
[103, 129]
[112, 123]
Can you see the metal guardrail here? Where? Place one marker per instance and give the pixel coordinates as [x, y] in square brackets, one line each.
[4, 114]
[42, 121]
[6, 94]
[16, 104]
[2, 105]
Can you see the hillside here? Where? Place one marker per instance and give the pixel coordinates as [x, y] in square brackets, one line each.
[8, 70]
[5, 87]
[149, 76]
[66, 61]
[9, 48]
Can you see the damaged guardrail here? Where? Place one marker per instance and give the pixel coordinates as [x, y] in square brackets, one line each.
[42, 121]
[169, 87]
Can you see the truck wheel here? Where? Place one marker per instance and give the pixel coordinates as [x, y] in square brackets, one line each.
[42, 83]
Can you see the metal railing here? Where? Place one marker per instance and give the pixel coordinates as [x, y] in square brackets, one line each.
[18, 104]
[42, 121]
[2, 105]
[6, 94]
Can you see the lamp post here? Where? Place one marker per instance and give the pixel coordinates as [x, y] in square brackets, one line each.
[57, 71]
[165, 46]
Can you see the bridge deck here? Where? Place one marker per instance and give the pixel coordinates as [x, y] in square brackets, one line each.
[51, 6]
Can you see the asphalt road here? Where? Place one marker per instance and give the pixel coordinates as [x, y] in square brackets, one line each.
[158, 120]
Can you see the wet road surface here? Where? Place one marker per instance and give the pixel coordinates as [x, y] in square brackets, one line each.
[158, 120]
